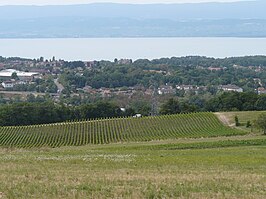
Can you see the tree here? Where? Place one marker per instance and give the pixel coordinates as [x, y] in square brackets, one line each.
[41, 59]
[261, 103]
[261, 122]
[248, 124]
[14, 76]
[170, 107]
[237, 121]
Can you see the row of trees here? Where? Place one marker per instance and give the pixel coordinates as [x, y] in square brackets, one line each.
[46, 112]
[227, 101]
[42, 111]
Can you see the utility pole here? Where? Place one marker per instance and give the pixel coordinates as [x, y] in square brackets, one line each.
[154, 102]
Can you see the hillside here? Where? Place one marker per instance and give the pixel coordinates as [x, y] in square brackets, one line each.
[211, 166]
[135, 20]
[179, 11]
[195, 125]
[228, 118]
[189, 168]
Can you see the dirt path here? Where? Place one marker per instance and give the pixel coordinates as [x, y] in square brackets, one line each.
[224, 119]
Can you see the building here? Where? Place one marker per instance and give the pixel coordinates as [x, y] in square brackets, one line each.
[24, 76]
[215, 68]
[90, 64]
[162, 90]
[185, 87]
[2, 66]
[8, 84]
[124, 61]
[261, 90]
[230, 87]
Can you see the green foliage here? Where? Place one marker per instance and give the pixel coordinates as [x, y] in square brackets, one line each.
[248, 124]
[227, 101]
[73, 79]
[74, 64]
[170, 107]
[99, 110]
[217, 144]
[261, 122]
[105, 131]
[14, 76]
[237, 121]
[234, 101]
[40, 110]
[191, 70]
[261, 103]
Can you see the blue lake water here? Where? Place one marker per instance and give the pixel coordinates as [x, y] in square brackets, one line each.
[110, 48]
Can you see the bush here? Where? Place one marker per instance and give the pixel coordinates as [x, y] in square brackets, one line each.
[237, 121]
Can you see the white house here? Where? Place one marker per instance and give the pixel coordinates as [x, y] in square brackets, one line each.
[185, 87]
[26, 76]
[166, 90]
[261, 90]
[231, 87]
[8, 84]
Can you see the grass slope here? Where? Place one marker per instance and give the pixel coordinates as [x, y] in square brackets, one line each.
[181, 169]
[243, 116]
[216, 167]
[105, 131]
[228, 118]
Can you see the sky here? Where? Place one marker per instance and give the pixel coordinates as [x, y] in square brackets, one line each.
[64, 2]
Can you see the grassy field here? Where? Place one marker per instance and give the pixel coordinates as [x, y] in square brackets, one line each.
[243, 116]
[197, 167]
[188, 168]
[228, 118]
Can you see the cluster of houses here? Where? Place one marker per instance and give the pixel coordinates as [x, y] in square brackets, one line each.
[188, 88]
[40, 66]
[8, 80]
[162, 90]
[108, 92]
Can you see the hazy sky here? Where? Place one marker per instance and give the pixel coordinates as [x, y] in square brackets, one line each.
[53, 2]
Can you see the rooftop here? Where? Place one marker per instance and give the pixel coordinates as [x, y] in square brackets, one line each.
[9, 72]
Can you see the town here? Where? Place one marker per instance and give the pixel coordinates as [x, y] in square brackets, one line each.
[39, 77]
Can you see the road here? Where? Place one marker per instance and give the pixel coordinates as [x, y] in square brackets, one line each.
[60, 87]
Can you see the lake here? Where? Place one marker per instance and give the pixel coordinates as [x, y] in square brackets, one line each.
[135, 48]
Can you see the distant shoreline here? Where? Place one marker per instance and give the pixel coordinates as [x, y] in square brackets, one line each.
[142, 37]
[88, 49]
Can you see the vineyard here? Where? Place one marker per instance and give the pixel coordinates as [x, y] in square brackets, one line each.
[114, 130]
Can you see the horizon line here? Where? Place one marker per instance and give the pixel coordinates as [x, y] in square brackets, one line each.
[122, 3]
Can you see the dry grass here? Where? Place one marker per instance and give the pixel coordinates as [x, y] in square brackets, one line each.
[243, 116]
[125, 171]
[228, 118]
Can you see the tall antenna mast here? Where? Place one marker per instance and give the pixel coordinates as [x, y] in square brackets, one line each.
[154, 102]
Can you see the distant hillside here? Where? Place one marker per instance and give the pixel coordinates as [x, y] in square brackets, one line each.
[239, 19]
